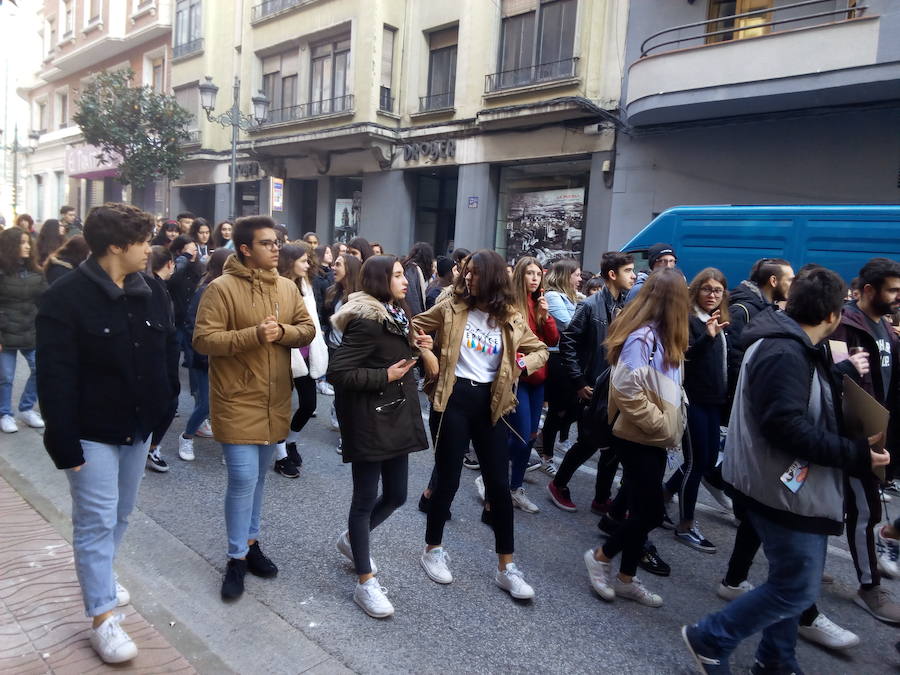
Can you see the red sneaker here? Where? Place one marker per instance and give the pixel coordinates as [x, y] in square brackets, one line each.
[601, 508]
[560, 497]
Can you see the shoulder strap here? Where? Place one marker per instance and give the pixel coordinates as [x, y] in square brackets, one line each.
[746, 311]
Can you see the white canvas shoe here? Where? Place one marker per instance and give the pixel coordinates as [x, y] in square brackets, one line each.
[111, 642]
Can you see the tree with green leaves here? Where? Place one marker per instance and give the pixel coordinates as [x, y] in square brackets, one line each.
[135, 128]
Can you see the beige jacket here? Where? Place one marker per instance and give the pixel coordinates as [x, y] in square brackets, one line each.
[250, 382]
[447, 321]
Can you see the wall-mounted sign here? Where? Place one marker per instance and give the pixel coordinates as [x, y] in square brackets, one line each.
[278, 194]
[246, 170]
[429, 150]
[473, 202]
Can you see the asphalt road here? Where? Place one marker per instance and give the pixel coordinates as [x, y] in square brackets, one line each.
[470, 626]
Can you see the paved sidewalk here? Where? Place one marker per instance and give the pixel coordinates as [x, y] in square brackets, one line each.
[43, 628]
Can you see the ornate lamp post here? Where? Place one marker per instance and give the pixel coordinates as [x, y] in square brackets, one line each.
[234, 118]
[15, 148]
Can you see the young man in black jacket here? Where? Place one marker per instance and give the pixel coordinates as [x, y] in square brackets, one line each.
[785, 459]
[108, 379]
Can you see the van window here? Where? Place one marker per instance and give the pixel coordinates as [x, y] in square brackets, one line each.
[641, 260]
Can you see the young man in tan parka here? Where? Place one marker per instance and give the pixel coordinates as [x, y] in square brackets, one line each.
[247, 323]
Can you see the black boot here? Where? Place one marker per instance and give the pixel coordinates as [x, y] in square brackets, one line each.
[233, 584]
[259, 564]
[294, 455]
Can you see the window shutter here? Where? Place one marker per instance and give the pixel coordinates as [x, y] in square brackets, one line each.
[443, 38]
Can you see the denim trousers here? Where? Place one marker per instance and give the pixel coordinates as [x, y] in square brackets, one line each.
[103, 492]
[796, 562]
[524, 420]
[201, 401]
[247, 466]
[8, 375]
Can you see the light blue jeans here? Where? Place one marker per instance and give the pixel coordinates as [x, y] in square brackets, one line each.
[8, 374]
[103, 493]
[247, 468]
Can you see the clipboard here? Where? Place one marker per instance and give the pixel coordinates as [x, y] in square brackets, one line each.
[864, 417]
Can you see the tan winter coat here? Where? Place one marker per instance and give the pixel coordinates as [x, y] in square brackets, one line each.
[250, 382]
[447, 321]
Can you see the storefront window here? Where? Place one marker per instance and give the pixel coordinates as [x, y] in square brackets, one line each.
[436, 208]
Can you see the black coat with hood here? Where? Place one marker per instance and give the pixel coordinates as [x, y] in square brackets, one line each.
[19, 296]
[379, 419]
[581, 343]
[744, 303]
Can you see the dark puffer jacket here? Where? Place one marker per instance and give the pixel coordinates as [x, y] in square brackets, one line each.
[379, 419]
[19, 297]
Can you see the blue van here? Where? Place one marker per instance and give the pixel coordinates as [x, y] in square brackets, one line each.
[732, 238]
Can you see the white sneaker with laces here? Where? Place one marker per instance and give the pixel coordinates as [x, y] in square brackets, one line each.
[479, 485]
[186, 448]
[636, 591]
[888, 552]
[123, 597]
[343, 545]
[8, 424]
[434, 562]
[548, 466]
[520, 501]
[372, 597]
[513, 582]
[727, 592]
[827, 633]
[205, 430]
[33, 419]
[111, 642]
[325, 388]
[599, 574]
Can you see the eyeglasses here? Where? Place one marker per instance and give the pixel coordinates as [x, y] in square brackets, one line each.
[709, 290]
[269, 244]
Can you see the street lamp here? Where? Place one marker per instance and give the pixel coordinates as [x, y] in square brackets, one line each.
[234, 118]
[15, 149]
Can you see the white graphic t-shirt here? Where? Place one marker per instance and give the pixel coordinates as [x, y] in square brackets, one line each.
[481, 349]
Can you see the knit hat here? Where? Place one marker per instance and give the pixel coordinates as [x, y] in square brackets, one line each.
[657, 251]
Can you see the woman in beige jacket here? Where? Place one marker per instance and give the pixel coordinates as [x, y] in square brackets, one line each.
[484, 346]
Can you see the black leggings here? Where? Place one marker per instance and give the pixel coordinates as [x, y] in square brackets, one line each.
[583, 449]
[644, 467]
[700, 448]
[367, 509]
[306, 397]
[468, 418]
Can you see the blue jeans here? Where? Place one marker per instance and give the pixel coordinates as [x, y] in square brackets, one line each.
[247, 467]
[8, 374]
[201, 401]
[525, 420]
[103, 493]
[796, 562]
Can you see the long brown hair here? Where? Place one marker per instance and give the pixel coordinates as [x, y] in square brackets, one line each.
[662, 303]
[494, 290]
[703, 276]
[559, 278]
[10, 251]
[520, 295]
[341, 290]
[49, 239]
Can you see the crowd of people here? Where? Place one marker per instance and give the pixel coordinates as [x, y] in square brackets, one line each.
[519, 365]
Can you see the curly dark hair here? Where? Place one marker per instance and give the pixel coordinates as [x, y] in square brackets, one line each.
[116, 224]
[11, 259]
[494, 291]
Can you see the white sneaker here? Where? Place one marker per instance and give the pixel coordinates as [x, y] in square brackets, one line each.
[8, 424]
[123, 597]
[372, 597]
[434, 562]
[512, 581]
[339, 448]
[598, 573]
[887, 551]
[111, 643]
[343, 545]
[334, 419]
[727, 592]
[827, 633]
[186, 448]
[324, 388]
[520, 501]
[548, 466]
[717, 494]
[479, 485]
[33, 419]
[204, 431]
[636, 591]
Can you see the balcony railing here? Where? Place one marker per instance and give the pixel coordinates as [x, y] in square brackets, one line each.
[193, 137]
[270, 7]
[749, 24]
[436, 102]
[536, 74]
[385, 100]
[313, 109]
[187, 48]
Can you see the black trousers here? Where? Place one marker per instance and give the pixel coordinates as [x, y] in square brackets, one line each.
[306, 396]
[367, 509]
[583, 449]
[466, 419]
[643, 469]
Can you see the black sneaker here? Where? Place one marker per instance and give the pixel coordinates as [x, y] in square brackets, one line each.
[695, 539]
[706, 664]
[471, 462]
[652, 563]
[258, 564]
[286, 468]
[155, 462]
[233, 584]
[294, 455]
[609, 525]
